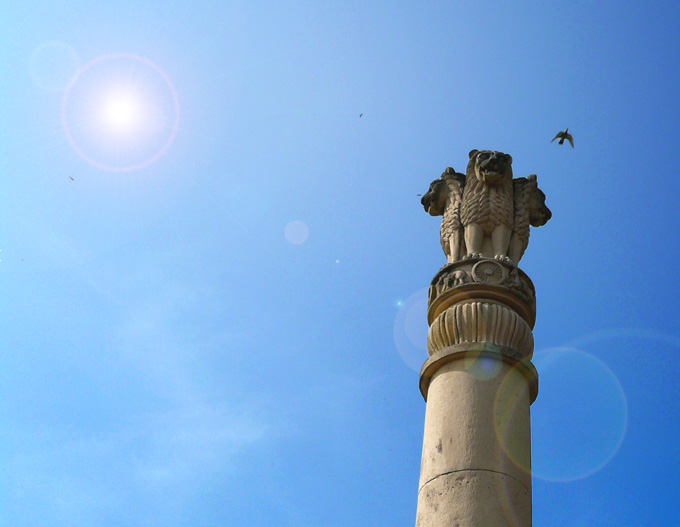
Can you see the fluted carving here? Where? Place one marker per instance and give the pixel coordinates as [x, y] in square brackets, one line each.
[480, 306]
[480, 322]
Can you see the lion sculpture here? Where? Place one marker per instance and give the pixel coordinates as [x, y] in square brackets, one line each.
[487, 208]
[486, 213]
[444, 199]
[530, 209]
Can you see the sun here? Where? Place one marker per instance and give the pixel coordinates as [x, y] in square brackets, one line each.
[121, 111]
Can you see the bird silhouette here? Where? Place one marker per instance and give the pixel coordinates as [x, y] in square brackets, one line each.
[562, 136]
[72, 178]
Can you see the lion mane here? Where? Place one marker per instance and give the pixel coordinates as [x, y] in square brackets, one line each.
[530, 210]
[444, 198]
[487, 207]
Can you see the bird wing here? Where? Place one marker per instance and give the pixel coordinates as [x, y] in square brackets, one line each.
[558, 134]
[571, 140]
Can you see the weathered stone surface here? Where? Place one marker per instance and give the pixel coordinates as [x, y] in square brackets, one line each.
[476, 356]
[474, 498]
[477, 418]
[476, 461]
[485, 211]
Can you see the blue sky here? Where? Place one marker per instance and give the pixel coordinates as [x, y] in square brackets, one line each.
[230, 335]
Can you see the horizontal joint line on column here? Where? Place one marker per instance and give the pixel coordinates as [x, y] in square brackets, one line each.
[472, 470]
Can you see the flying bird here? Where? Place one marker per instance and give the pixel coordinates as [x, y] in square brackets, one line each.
[72, 178]
[562, 136]
[361, 115]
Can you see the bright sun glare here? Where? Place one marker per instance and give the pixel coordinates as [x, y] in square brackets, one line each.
[120, 111]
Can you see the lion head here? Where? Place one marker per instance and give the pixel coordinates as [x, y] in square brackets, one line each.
[539, 213]
[434, 200]
[490, 167]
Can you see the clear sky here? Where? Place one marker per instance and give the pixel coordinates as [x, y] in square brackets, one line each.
[214, 258]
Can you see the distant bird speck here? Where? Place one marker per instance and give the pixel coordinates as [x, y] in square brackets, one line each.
[72, 178]
[361, 115]
[562, 136]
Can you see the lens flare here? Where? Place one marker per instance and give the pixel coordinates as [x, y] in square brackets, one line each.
[482, 366]
[52, 65]
[120, 112]
[511, 415]
[632, 336]
[296, 232]
[580, 416]
[410, 330]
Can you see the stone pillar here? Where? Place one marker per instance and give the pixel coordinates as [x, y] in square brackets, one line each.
[478, 383]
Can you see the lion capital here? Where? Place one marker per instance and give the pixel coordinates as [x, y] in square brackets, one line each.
[486, 213]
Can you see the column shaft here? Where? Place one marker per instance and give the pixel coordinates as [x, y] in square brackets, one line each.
[475, 468]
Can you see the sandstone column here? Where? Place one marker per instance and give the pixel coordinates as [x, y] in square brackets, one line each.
[478, 380]
[478, 384]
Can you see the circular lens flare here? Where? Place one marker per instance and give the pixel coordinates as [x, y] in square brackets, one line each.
[120, 112]
[52, 65]
[410, 329]
[580, 417]
[296, 232]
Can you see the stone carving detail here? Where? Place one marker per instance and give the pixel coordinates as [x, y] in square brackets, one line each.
[530, 209]
[485, 211]
[487, 208]
[457, 278]
[480, 322]
[471, 273]
[489, 272]
[444, 198]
